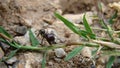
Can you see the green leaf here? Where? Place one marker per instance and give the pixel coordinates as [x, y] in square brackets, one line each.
[87, 27]
[110, 62]
[113, 17]
[117, 41]
[100, 6]
[68, 24]
[102, 24]
[76, 30]
[94, 52]
[84, 33]
[9, 43]
[44, 60]
[11, 54]
[2, 30]
[110, 32]
[33, 39]
[73, 53]
[72, 26]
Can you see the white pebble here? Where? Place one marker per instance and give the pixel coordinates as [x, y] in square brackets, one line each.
[60, 52]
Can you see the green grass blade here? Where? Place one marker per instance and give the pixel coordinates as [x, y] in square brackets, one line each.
[33, 39]
[44, 59]
[74, 28]
[73, 53]
[110, 62]
[11, 54]
[88, 29]
[71, 26]
[102, 24]
[68, 24]
[8, 43]
[2, 30]
[117, 41]
[100, 6]
[113, 17]
[110, 32]
[84, 33]
[87, 34]
[94, 52]
[86, 25]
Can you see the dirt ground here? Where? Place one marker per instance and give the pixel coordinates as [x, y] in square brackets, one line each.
[17, 16]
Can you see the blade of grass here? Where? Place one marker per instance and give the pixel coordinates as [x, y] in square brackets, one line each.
[87, 34]
[113, 17]
[44, 59]
[117, 41]
[100, 6]
[33, 39]
[102, 24]
[2, 30]
[71, 26]
[73, 53]
[87, 27]
[11, 54]
[9, 43]
[110, 32]
[74, 28]
[68, 23]
[110, 62]
[94, 52]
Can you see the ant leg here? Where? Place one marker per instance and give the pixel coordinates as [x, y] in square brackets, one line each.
[42, 41]
[37, 33]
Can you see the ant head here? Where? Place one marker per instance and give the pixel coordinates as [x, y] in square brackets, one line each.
[42, 31]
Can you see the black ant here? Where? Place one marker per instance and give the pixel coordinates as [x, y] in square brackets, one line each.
[50, 37]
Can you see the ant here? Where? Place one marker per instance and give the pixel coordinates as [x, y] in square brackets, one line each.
[50, 37]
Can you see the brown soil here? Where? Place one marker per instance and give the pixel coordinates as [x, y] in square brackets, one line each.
[39, 14]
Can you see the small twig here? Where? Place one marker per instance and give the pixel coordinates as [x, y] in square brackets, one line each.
[108, 44]
[5, 37]
[89, 44]
[81, 26]
[117, 32]
[98, 51]
[40, 48]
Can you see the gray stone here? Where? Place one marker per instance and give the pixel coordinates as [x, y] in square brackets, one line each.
[21, 30]
[12, 60]
[60, 52]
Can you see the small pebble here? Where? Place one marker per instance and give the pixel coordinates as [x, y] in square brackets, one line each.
[57, 60]
[21, 30]
[86, 52]
[60, 52]
[21, 40]
[50, 63]
[4, 46]
[12, 60]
